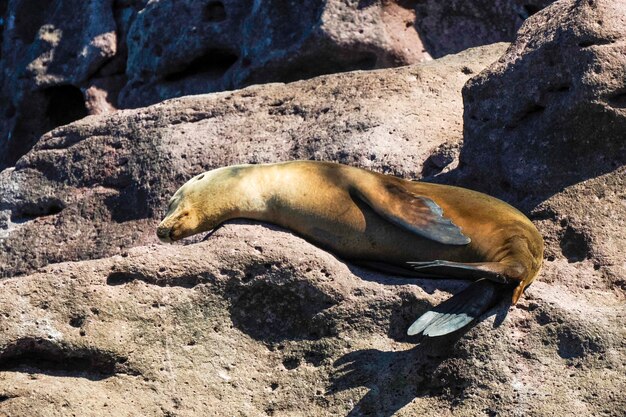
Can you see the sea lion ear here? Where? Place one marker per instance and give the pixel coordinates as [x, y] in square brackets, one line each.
[417, 214]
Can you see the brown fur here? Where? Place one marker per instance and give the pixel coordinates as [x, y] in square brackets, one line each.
[319, 201]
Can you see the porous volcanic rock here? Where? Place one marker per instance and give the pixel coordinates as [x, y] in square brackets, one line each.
[64, 59]
[551, 112]
[449, 26]
[545, 129]
[97, 186]
[180, 48]
[52, 51]
[257, 322]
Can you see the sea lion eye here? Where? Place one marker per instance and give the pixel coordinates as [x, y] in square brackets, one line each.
[200, 177]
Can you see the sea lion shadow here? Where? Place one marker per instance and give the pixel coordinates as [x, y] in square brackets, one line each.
[429, 285]
[393, 379]
[411, 307]
[396, 378]
[401, 316]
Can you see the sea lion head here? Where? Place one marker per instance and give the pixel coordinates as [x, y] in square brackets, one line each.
[201, 204]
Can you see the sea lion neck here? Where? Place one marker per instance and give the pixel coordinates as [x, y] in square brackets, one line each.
[254, 191]
[266, 191]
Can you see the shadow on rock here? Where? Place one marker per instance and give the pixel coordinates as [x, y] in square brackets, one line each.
[549, 113]
[394, 379]
[403, 314]
[40, 356]
[271, 304]
[429, 285]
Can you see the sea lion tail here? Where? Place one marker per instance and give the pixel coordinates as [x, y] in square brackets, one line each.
[457, 311]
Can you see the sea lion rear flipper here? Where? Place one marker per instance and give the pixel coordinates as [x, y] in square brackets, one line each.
[493, 271]
[415, 213]
[457, 311]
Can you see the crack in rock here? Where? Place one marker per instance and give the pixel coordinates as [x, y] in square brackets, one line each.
[37, 355]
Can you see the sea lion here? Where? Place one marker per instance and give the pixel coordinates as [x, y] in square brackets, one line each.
[378, 220]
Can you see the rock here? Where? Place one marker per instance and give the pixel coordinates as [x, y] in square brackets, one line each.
[235, 44]
[544, 128]
[256, 321]
[98, 186]
[50, 50]
[64, 59]
[447, 27]
[552, 111]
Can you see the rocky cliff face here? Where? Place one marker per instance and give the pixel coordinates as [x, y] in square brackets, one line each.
[95, 56]
[99, 319]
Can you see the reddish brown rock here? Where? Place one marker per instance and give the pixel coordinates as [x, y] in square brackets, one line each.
[450, 26]
[64, 59]
[49, 51]
[231, 45]
[552, 111]
[258, 322]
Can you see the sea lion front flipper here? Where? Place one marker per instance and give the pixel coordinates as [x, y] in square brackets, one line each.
[415, 213]
[493, 271]
[457, 311]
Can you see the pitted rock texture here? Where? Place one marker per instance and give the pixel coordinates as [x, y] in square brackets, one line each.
[220, 46]
[450, 26]
[585, 225]
[255, 321]
[545, 128]
[64, 59]
[98, 186]
[560, 86]
[52, 53]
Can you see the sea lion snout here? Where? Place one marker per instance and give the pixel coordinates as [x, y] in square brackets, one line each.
[178, 225]
[163, 233]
